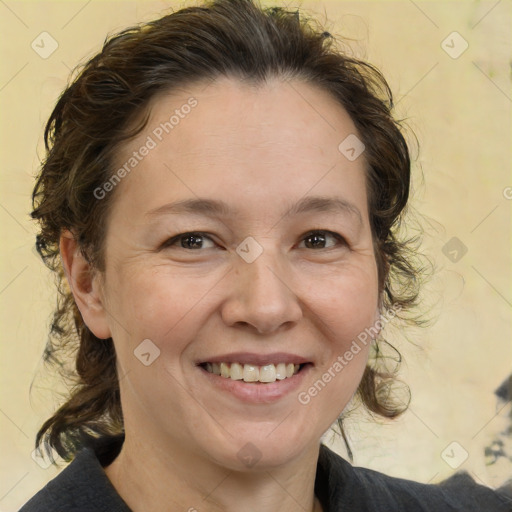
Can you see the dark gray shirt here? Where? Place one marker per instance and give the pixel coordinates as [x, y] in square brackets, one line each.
[84, 487]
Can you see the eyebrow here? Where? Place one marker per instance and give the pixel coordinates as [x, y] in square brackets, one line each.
[212, 207]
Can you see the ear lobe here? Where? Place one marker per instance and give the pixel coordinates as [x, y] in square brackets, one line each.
[84, 282]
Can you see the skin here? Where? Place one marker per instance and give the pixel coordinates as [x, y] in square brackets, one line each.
[260, 150]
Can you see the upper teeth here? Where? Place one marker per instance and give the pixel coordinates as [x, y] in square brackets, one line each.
[253, 373]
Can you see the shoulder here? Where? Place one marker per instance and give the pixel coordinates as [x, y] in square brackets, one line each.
[82, 486]
[359, 488]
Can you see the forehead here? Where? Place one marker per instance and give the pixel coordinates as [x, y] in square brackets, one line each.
[243, 144]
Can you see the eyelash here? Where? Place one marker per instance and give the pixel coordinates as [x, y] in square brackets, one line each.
[172, 241]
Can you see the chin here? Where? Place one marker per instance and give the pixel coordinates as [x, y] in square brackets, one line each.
[259, 451]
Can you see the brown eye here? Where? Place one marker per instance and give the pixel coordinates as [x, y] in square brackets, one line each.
[317, 239]
[192, 241]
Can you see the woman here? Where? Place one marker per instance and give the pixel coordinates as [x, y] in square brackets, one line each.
[221, 193]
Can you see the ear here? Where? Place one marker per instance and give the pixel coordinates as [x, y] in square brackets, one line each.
[85, 285]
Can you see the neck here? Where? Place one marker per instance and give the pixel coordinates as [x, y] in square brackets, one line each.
[151, 478]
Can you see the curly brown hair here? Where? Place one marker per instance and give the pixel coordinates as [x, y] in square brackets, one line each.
[96, 112]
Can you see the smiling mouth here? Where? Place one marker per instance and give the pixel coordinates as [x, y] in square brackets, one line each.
[251, 373]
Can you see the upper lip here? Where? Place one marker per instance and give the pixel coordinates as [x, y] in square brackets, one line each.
[256, 359]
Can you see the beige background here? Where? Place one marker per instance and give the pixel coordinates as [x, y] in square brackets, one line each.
[460, 111]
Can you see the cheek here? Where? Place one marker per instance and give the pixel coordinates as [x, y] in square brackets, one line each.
[347, 310]
[347, 304]
[151, 304]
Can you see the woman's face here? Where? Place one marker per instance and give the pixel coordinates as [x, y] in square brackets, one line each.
[252, 285]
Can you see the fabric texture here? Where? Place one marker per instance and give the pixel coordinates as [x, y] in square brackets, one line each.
[84, 487]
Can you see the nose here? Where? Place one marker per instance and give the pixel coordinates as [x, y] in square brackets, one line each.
[261, 295]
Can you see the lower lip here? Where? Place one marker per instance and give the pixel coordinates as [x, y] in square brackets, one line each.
[257, 392]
